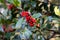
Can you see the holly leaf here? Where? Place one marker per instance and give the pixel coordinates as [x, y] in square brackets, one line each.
[7, 35]
[37, 15]
[5, 12]
[40, 37]
[3, 3]
[17, 2]
[10, 1]
[33, 4]
[19, 23]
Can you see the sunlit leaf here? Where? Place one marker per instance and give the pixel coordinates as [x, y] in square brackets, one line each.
[17, 3]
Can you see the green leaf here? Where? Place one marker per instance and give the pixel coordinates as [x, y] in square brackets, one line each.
[10, 1]
[17, 3]
[3, 3]
[19, 23]
[40, 37]
[37, 15]
[7, 35]
[5, 12]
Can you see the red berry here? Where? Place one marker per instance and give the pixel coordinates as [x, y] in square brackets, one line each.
[28, 18]
[10, 6]
[4, 27]
[24, 13]
[31, 24]
[38, 25]
[33, 20]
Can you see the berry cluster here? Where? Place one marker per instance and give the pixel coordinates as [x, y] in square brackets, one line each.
[29, 19]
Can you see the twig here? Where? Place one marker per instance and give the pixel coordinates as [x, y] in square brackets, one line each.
[54, 33]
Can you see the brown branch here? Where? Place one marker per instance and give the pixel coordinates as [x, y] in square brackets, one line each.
[54, 33]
